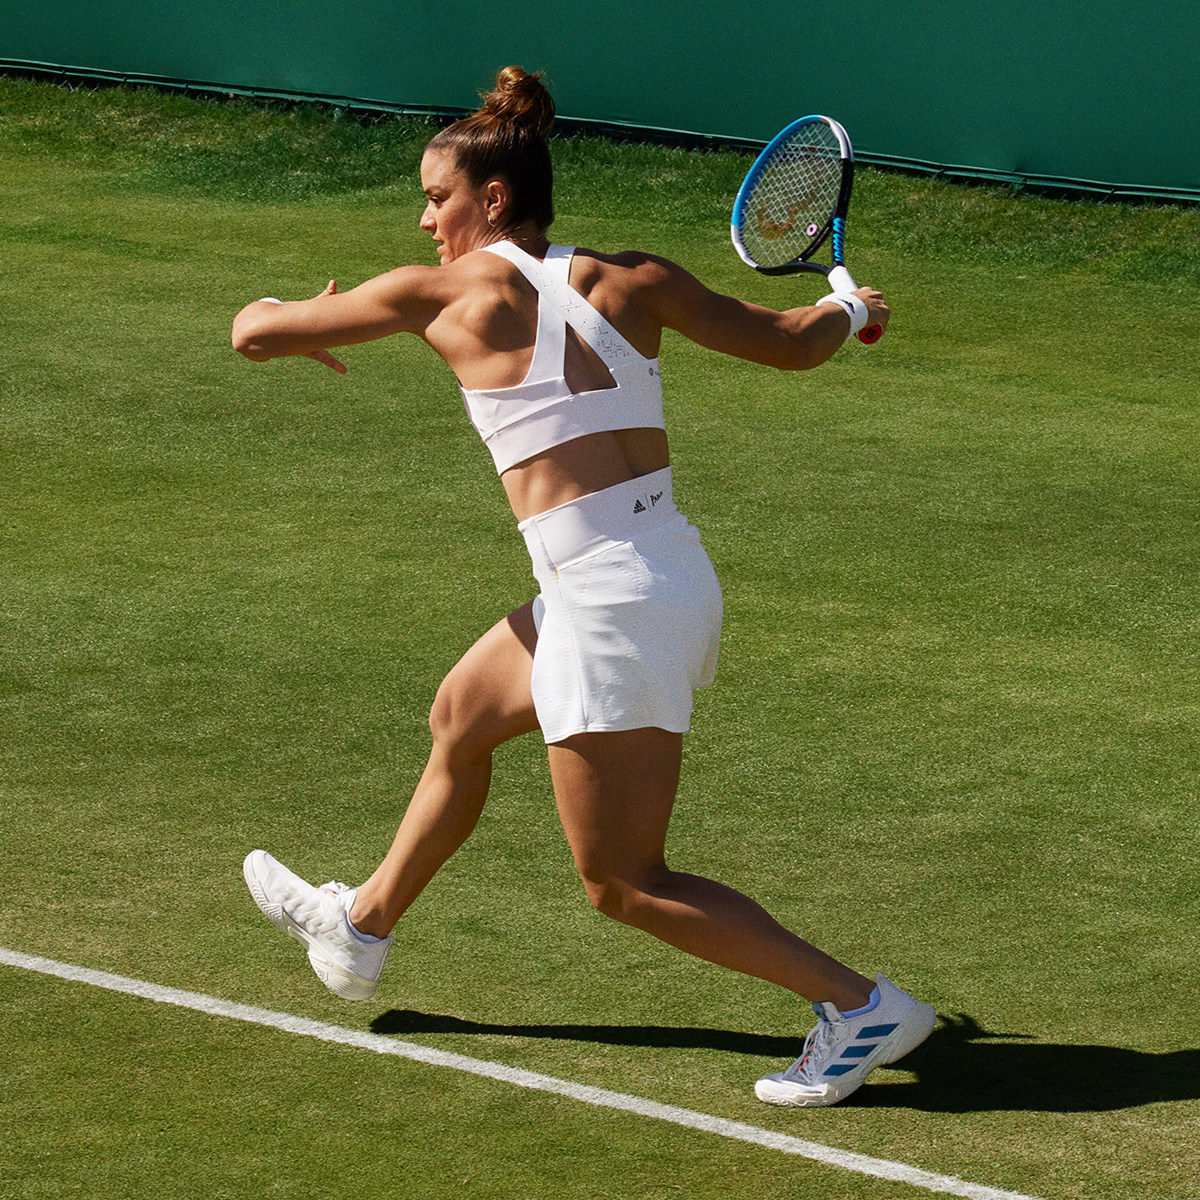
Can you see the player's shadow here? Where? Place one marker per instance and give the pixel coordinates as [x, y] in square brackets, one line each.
[961, 1067]
[406, 1022]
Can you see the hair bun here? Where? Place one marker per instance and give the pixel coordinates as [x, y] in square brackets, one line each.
[506, 139]
[520, 98]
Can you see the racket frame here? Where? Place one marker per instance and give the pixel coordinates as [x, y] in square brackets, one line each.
[833, 230]
[834, 225]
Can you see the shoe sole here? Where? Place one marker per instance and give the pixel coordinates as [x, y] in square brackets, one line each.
[337, 979]
[904, 1039]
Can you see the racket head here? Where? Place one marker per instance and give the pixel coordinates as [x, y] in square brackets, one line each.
[792, 195]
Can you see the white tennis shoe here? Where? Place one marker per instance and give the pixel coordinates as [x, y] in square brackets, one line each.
[842, 1051]
[346, 962]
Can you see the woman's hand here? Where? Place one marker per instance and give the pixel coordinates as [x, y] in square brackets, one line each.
[246, 343]
[323, 356]
[878, 311]
[327, 359]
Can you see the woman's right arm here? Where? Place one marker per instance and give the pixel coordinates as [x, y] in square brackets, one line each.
[402, 301]
[796, 339]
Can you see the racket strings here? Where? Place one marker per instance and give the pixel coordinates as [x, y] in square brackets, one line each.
[794, 197]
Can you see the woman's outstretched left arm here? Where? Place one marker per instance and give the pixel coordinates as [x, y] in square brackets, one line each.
[402, 301]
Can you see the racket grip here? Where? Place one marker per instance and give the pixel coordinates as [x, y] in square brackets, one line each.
[843, 283]
[841, 280]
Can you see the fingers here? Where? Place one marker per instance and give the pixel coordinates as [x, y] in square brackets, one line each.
[327, 359]
[878, 311]
[323, 356]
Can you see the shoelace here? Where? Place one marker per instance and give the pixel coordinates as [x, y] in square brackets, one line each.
[333, 887]
[816, 1046]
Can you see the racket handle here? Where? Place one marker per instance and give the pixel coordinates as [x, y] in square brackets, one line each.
[870, 335]
[841, 280]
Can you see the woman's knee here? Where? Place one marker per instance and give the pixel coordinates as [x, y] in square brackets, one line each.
[450, 720]
[625, 896]
[457, 726]
[606, 896]
[483, 701]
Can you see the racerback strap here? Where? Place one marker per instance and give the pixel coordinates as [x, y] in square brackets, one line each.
[595, 329]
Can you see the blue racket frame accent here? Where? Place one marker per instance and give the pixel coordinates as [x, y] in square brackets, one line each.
[760, 164]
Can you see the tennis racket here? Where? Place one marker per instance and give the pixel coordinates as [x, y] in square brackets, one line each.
[793, 199]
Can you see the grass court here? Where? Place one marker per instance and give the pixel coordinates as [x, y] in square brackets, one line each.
[955, 737]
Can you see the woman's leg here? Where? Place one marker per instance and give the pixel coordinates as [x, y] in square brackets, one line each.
[484, 700]
[615, 793]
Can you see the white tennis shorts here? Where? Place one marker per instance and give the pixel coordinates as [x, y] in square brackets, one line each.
[629, 615]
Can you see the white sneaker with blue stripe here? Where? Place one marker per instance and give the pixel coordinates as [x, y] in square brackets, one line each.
[843, 1050]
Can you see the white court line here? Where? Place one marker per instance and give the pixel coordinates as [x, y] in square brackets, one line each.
[880, 1168]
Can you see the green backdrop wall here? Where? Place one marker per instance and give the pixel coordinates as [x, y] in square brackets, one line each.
[1094, 91]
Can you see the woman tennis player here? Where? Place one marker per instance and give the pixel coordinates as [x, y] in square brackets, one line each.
[555, 349]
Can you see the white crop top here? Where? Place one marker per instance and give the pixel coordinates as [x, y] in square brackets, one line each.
[518, 422]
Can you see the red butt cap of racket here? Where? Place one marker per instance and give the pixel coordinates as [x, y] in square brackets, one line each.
[870, 335]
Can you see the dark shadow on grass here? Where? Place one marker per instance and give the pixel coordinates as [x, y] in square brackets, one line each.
[407, 1023]
[965, 1068]
[961, 1068]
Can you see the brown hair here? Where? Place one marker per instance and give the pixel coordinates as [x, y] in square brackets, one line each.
[506, 138]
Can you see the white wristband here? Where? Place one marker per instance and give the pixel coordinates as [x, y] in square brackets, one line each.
[853, 306]
[270, 300]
